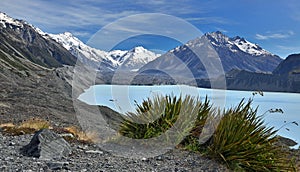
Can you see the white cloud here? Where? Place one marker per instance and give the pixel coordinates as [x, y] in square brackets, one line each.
[176, 7]
[53, 16]
[81, 34]
[274, 35]
[290, 48]
[208, 20]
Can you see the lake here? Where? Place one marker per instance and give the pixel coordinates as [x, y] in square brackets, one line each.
[122, 98]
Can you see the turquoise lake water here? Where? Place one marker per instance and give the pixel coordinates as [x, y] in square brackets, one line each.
[122, 98]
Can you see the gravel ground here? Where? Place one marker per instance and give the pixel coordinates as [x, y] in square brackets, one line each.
[92, 158]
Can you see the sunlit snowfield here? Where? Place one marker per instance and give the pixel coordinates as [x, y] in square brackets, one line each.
[122, 98]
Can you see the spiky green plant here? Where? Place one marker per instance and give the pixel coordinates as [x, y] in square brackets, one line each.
[191, 141]
[243, 142]
[154, 117]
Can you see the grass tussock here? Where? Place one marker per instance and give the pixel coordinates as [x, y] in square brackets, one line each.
[240, 140]
[244, 143]
[137, 125]
[154, 117]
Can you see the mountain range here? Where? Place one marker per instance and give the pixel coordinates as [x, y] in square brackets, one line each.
[126, 60]
[25, 49]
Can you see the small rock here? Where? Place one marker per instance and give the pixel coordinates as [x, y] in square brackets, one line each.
[82, 147]
[12, 144]
[47, 145]
[159, 158]
[94, 151]
[57, 165]
[8, 158]
[67, 135]
[3, 168]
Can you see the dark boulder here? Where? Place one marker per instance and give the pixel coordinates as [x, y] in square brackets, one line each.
[47, 145]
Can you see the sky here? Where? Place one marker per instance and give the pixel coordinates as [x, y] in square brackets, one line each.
[273, 24]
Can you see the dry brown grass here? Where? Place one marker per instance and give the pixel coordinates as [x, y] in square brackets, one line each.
[26, 127]
[86, 137]
[35, 123]
[7, 125]
[32, 125]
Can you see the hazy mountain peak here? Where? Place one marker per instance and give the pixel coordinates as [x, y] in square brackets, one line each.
[136, 58]
[248, 47]
[138, 49]
[67, 40]
[217, 37]
[235, 44]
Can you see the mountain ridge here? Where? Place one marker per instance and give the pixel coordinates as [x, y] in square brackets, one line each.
[291, 65]
[220, 47]
[21, 40]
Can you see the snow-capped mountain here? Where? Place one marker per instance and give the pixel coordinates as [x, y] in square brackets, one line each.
[121, 59]
[236, 43]
[234, 53]
[20, 41]
[126, 60]
[88, 55]
[7, 21]
[136, 58]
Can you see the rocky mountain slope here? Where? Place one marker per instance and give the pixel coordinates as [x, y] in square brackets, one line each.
[244, 80]
[36, 71]
[238, 53]
[252, 81]
[31, 85]
[291, 65]
[285, 78]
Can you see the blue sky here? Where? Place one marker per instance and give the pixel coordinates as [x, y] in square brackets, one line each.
[273, 24]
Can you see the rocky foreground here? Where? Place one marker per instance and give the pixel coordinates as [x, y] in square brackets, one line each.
[89, 157]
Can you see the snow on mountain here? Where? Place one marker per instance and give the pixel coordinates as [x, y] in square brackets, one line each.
[249, 47]
[129, 60]
[136, 58]
[82, 51]
[5, 21]
[237, 43]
